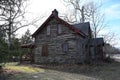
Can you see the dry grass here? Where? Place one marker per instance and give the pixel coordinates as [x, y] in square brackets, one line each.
[107, 71]
[22, 68]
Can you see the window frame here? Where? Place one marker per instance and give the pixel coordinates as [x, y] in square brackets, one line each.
[59, 29]
[65, 47]
[48, 31]
[44, 52]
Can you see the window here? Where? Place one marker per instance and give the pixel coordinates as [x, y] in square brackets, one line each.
[44, 50]
[65, 47]
[78, 45]
[48, 30]
[59, 29]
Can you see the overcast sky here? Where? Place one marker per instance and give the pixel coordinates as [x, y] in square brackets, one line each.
[38, 8]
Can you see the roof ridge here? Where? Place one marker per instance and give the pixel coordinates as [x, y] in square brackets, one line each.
[62, 21]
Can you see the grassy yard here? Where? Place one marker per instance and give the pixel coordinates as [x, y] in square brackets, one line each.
[106, 71]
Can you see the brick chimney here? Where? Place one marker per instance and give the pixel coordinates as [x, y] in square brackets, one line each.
[55, 13]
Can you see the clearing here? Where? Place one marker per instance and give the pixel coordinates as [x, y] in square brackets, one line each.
[106, 71]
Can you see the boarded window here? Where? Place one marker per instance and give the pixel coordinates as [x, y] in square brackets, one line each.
[59, 29]
[65, 47]
[45, 50]
[48, 30]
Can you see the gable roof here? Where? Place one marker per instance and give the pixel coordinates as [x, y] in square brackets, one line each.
[53, 15]
[84, 27]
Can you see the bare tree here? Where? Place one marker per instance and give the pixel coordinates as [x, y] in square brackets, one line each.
[110, 38]
[87, 11]
[82, 11]
[12, 17]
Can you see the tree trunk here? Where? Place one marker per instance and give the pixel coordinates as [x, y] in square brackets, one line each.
[2, 77]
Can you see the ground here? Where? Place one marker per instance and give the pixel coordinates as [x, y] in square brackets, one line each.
[104, 71]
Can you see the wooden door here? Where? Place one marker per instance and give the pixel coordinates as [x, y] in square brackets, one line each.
[44, 50]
